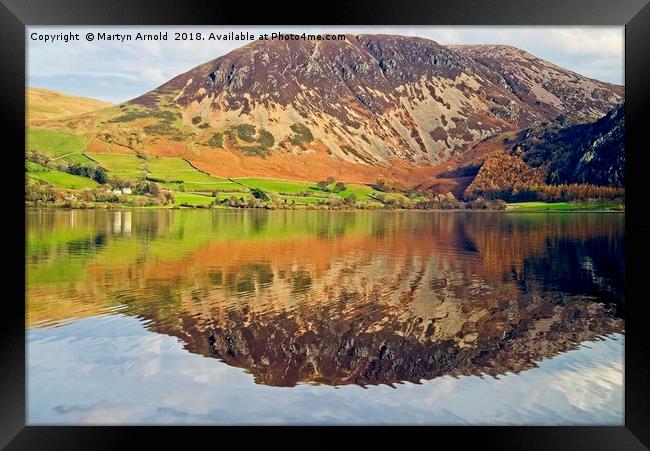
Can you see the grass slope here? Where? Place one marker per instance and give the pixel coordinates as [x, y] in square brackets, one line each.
[48, 104]
[58, 178]
[175, 173]
[120, 165]
[55, 143]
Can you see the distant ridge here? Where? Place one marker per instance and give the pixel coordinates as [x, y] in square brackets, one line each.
[45, 103]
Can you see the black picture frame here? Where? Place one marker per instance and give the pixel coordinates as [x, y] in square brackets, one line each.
[15, 15]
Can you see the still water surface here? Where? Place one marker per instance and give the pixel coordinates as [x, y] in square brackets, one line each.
[212, 317]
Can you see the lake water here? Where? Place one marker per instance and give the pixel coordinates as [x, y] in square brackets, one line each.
[303, 317]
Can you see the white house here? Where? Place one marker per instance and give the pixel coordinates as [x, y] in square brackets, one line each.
[126, 190]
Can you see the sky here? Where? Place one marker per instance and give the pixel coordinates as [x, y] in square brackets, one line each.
[118, 71]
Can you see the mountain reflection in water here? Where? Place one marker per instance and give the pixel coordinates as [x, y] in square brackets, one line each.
[338, 297]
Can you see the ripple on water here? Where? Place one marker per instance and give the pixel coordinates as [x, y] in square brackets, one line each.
[466, 307]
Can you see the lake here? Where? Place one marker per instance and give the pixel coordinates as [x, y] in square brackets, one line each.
[324, 317]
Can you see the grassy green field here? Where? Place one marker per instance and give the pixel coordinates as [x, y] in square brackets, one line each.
[227, 195]
[363, 192]
[302, 200]
[225, 186]
[120, 165]
[192, 199]
[295, 187]
[186, 175]
[30, 166]
[190, 176]
[75, 158]
[168, 169]
[179, 169]
[57, 178]
[169, 164]
[563, 206]
[279, 185]
[55, 143]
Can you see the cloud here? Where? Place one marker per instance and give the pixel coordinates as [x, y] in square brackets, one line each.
[603, 43]
[155, 75]
[112, 369]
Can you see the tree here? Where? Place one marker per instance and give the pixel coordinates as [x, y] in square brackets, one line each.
[340, 186]
[168, 196]
[154, 189]
[259, 194]
[350, 200]
[330, 180]
[87, 196]
[100, 176]
[383, 185]
[323, 185]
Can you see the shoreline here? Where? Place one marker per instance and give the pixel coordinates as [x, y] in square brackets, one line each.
[450, 210]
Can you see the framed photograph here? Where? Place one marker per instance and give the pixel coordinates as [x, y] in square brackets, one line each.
[380, 215]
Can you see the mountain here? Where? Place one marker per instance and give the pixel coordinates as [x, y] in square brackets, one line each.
[47, 104]
[591, 153]
[535, 81]
[369, 106]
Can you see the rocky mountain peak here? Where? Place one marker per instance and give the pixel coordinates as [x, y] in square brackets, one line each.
[368, 100]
